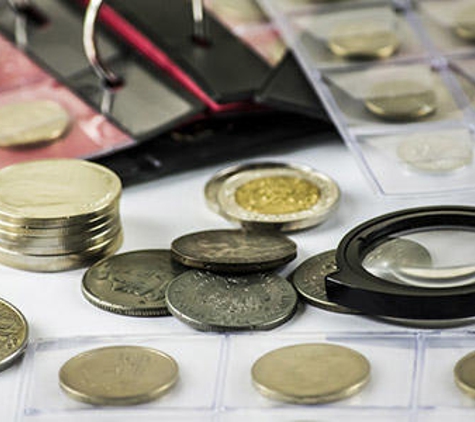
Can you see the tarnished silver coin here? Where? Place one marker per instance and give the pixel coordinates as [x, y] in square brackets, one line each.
[436, 153]
[279, 196]
[233, 251]
[213, 302]
[28, 123]
[401, 100]
[132, 283]
[13, 334]
[309, 281]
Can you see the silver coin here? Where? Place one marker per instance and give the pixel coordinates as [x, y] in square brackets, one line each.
[435, 153]
[309, 281]
[233, 251]
[13, 334]
[132, 283]
[212, 302]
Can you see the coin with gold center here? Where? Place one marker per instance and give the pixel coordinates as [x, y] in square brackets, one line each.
[273, 195]
[28, 123]
[401, 100]
[118, 375]
[310, 373]
[464, 373]
[13, 334]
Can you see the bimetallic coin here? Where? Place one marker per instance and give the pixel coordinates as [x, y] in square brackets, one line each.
[309, 281]
[465, 23]
[32, 122]
[132, 283]
[401, 100]
[286, 198]
[310, 373]
[13, 334]
[464, 373]
[363, 40]
[212, 302]
[118, 375]
[435, 153]
[233, 251]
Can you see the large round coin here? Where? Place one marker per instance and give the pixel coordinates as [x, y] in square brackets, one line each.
[212, 302]
[309, 281]
[56, 191]
[13, 334]
[310, 373]
[233, 251]
[464, 373]
[287, 197]
[118, 375]
[31, 122]
[401, 100]
[132, 283]
[436, 153]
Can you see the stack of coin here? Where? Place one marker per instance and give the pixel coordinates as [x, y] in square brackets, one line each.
[58, 214]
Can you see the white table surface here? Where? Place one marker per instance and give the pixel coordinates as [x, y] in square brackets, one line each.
[155, 213]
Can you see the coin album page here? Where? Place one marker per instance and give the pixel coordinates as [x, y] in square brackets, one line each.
[399, 102]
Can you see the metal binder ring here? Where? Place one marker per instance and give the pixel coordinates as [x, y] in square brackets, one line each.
[108, 78]
[21, 21]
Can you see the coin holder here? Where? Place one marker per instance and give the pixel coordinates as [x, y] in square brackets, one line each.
[429, 160]
[198, 359]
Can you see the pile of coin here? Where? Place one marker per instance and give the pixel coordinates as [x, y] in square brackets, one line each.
[58, 214]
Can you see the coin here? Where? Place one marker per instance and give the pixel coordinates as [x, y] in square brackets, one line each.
[465, 23]
[464, 373]
[401, 100]
[285, 197]
[310, 373]
[233, 251]
[31, 122]
[435, 153]
[132, 283]
[13, 334]
[309, 281]
[363, 40]
[213, 302]
[385, 259]
[118, 375]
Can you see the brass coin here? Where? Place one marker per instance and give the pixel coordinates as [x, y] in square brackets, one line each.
[310, 373]
[401, 100]
[309, 281]
[464, 373]
[13, 334]
[118, 375]
[233, 251]
[362, 40]
[133, 283]
[465, 23]
[32, 122]
[53, 191]
[286, 198]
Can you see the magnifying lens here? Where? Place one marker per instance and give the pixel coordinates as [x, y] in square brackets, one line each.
[412, 264]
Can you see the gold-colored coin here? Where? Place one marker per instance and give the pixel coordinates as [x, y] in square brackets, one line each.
[311, 373]
[32, 122]
[277, 195]
[464, 373]
[362, 40]
[465, 23]
[118, 375]
[401, 100]
[13, 334]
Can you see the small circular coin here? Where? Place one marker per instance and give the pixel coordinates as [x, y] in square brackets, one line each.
[363, 40]
[401, 100]
[233, 251]
[118, 375]
[132, 283]
[309, 281]
[285, 197]
[13, 334]
[32, 122]
[465, 23]
[435, 153]
[310, 373]
[213, 302]
[464, 373]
